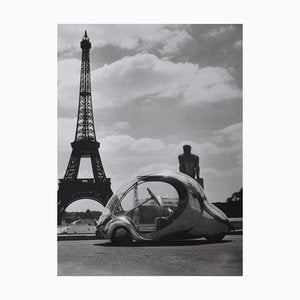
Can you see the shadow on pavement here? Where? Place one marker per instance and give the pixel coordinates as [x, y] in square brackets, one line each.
[236, 232]
[74, 237]
[163, 243]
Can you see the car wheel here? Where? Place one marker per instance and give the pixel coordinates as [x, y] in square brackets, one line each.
[215, 237]
[121, 235]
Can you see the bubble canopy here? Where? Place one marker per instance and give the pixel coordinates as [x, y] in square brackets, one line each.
[159, 205]
[146, 198]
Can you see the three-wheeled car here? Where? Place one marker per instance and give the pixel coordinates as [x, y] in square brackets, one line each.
[161, 206]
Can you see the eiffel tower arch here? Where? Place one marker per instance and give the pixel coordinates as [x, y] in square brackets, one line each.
[71, 188]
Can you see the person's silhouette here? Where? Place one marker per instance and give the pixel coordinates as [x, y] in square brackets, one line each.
[189, 163]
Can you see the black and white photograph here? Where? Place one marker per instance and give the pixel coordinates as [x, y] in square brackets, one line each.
[150, 149]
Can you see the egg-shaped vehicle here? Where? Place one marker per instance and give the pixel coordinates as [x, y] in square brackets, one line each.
[161, 206]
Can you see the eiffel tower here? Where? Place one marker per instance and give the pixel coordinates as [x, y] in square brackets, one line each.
[85, 145]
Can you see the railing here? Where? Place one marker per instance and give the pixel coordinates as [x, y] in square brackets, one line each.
[61, 229]
[81, 180]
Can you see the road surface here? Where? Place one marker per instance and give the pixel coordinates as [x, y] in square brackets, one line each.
[191, 257]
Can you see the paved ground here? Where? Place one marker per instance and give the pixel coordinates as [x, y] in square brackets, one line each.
[192, 257]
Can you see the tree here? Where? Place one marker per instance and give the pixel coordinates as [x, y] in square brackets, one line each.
[236, 196]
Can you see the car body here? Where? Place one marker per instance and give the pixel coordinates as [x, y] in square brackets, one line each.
[161, 206]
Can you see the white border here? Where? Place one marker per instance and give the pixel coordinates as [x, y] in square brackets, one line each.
[28, 148]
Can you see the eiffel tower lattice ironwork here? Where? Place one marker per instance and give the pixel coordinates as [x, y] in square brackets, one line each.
[71, 188]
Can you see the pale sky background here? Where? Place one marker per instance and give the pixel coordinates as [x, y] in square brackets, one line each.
[154, 89]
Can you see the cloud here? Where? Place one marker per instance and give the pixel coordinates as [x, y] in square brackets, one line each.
[151, 146]
[239, 159]
[220, 184]
[124, 152]
[217, 32]
[205, 148]
[231, 136]
[232, 132]
[68, 71]
[113, 138]
[140, 146]
[116, 142]
[166, 39]
[176, 91]
[211, 84]
[125, 156]
[173, 41]
[121, 35]
[68, 82]
[238, 44]
[139, 76]
[156, 168]
[211, 172]
[114, 129]
[145, 145]
[121, 125]
[145, 76]
[66, 132]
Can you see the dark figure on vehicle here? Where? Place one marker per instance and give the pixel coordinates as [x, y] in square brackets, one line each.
[189, 163]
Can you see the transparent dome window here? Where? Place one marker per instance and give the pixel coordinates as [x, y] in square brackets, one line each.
[150, 204]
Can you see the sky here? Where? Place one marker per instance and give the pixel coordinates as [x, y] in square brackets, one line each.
[154, 89]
